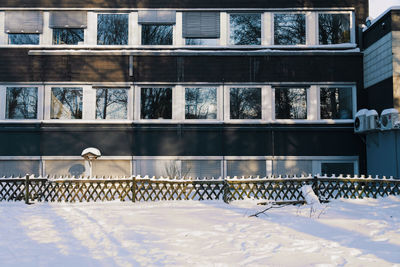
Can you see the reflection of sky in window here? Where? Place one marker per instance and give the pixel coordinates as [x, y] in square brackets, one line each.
[245, 29]
[111, 103]
[66, 103]
[21, 102]
[201, 103]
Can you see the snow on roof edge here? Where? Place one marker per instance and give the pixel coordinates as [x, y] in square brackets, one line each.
[381, 16]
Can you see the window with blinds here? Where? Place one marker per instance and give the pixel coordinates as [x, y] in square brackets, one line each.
[65, 168]
[292, 167]
[201, 168]
[246, 168]
[201, 25]
[158, 168]
[23, 22]
[19, 168]
[112, 168]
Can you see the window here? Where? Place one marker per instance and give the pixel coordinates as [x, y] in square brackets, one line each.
[158, 168]
[19, 167]
[157, 34]
[337, 168]
[201, 28]
[66, 103]
[292, 167]
[112, 168]
[23, 38]
[290, 103]
[201, 41]
[156, 103]
[68, 36]
[111, 103]
[201, 103]
[21, 102]
[336, 103]
[245, 103]
[65, 168]
[289, 29]
[245, 29]
[334, 28]
[112, 29]
[201, 168]
[246, 168]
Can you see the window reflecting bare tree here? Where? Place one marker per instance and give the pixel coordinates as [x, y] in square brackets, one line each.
[201, 103]
[23, 38]
[111, 103]
[245, 103]
[67, 36]
[245, 29]
[290, 103]
[66, 103]
[156, 34]
[334, 28]
[112, 29]
[289, 29]
[156, 103]
[336, 103]
[21, 102]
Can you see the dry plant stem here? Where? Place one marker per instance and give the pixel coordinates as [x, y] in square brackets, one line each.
[270, 207]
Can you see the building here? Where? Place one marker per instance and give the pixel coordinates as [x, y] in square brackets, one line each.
[381, 41]
[194, 88]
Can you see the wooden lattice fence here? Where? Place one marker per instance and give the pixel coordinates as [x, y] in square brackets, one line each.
[151, 189]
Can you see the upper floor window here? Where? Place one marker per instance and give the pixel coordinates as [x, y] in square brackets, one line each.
[111, 103]
[336, 103]
[112, 29]
[290, 103]
[334, 28]
[201, 28]
[245, 29]
[245, 103]
[68, 27]
[201, 103]
[289, 29]
[157, 27]
[23, 27]
[156, 103]
[21, 102]
[66, 102]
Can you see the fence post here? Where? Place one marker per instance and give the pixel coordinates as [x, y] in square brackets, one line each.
[225, 191]
[133, 189]
[27, 189]
[316, 186]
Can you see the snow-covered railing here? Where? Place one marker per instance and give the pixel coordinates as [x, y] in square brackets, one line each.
[137, 188]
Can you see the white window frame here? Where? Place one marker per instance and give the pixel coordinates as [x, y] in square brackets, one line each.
[176, 109]
[131, 27]
[310, 111]
[354, 102]
[3, 100]
[308, 31]
[317, 166]
[182, 104]
[352, 26]
[228, 27]
[265, 89]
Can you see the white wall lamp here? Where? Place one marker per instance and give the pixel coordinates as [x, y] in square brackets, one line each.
[90, 154]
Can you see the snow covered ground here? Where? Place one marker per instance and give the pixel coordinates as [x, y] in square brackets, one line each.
[191, 233]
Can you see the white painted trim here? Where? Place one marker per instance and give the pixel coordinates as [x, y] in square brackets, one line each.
[178, 157]
[91, 31]
[269, 166]
[267, 29]
[40, 111]
[3, 34]
[312, 102]
[312, 28]
[178, 103]
[179, 40]
[11, 158]
[224, 34]
[62, 158]
[46, 38]
[89, 103]
[184, 9]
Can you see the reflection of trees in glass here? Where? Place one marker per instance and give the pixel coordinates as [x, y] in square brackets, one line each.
[289, 29]
[201, 168]
[66, 103]
[23, 38]
[290, 103]
[21, 102]
[201, 41]
[201, 103]
[156, 103]
[245, 103]
[111, 103]
[334, 28]
[336, 103]
[157, 34]
[112, 29]
[67, 36]
[245, 29]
